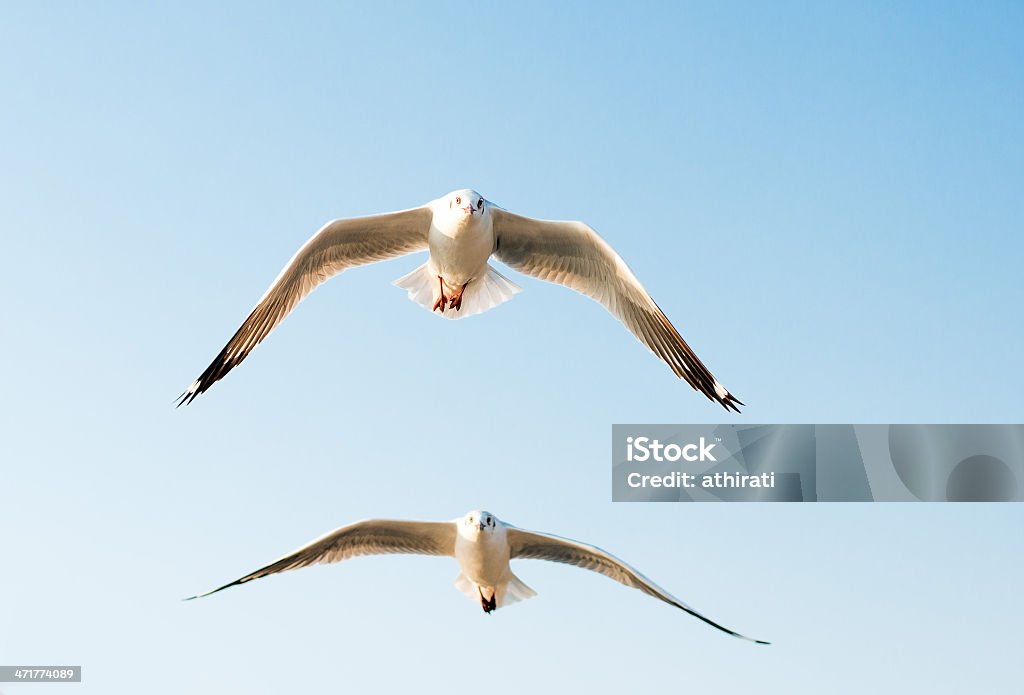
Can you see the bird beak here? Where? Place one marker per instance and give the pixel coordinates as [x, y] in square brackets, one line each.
[481, 525]
[468, 210]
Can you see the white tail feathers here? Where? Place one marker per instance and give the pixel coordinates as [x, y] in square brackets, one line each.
[513, 592]
[481, 294]
[467, 587]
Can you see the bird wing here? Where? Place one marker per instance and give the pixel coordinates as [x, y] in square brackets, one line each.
[572, 254]
[530, 545]
[372, 537]
[338, 245]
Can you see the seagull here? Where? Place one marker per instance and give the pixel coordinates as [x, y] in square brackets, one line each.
[462, 231]
[482, 544]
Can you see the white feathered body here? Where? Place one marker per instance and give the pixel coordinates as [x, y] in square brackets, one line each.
[460, 245]
[483, 556]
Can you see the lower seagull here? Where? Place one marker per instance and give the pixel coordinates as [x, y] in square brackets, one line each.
[482, 544]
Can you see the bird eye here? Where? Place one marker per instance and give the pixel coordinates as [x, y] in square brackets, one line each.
[480, 204]
[458, 200]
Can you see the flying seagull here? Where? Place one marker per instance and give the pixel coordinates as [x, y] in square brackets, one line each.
[482, 545]
[462, 230]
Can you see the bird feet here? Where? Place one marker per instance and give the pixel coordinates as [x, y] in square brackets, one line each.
[490, 604]
[455, 301]
[442, 301]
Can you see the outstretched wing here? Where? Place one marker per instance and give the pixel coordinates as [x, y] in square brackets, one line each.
[338, 245]
[572, 254]
[542, 546]
[373, 537]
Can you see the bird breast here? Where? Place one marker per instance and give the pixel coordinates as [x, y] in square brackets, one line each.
[483, 557]
[459, 248]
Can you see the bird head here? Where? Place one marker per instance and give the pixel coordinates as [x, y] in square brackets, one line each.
[465, 202]
[480, 521]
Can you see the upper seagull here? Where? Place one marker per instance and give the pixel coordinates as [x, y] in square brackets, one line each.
[462, 230]
[482, 545]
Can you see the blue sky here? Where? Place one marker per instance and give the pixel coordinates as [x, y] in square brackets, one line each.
[825, 199]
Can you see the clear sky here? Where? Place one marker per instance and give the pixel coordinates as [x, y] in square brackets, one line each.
[825, 198]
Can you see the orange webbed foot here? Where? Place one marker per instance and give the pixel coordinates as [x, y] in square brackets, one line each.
[455, 301]
[442, 301]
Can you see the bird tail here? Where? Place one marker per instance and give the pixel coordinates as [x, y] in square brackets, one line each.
[481, 294]
[466, 586]
[513, 592]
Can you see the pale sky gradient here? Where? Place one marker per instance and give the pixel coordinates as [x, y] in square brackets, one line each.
[824, 198]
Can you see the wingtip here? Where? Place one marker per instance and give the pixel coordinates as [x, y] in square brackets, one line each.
[734, 402]
[189, 395]
[729, 402]
[721, 395]
[203, 595]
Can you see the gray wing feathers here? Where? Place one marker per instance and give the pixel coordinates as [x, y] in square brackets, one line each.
[373, 537]
[530, 545]
[336, 246]
[574, 255]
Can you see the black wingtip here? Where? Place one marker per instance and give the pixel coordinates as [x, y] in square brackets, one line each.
[190, 394]
[734, 402]
[730, 402]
